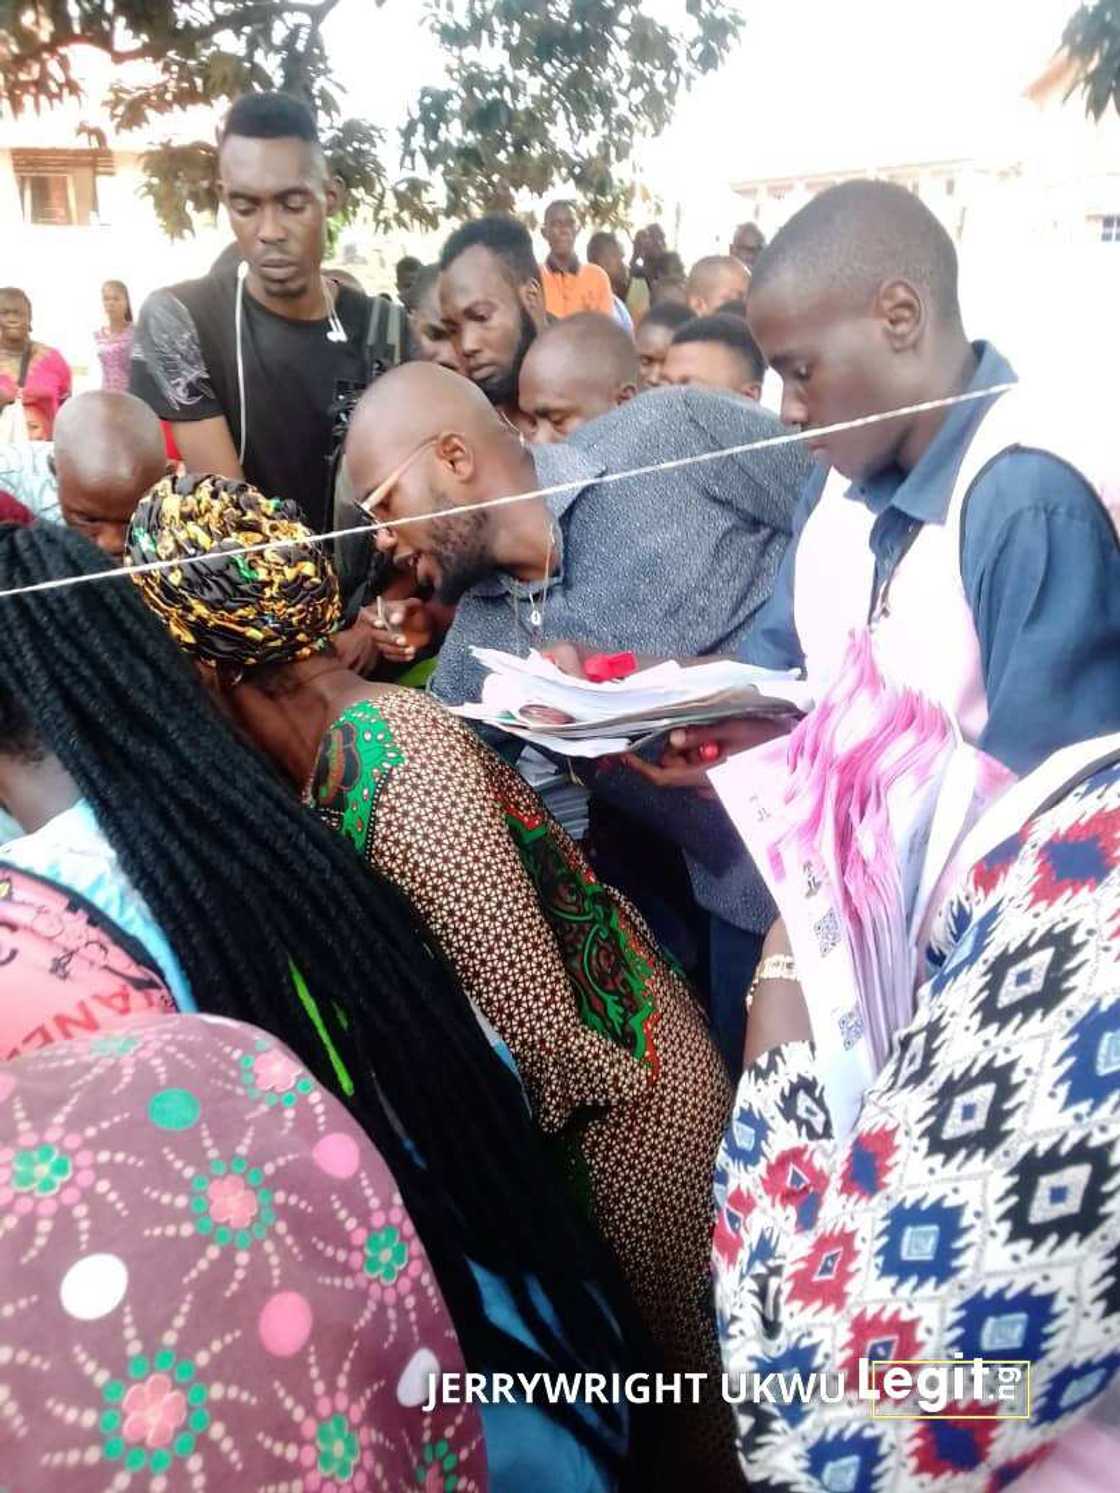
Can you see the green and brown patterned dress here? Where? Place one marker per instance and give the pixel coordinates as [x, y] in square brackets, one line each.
[612, 1049]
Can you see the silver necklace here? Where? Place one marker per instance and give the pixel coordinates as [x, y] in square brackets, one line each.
[539, 602]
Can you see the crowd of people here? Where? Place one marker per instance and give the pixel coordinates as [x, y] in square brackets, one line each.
[345, 1042]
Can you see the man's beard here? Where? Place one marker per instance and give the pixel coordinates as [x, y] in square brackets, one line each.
[463, 558]
[501, 388]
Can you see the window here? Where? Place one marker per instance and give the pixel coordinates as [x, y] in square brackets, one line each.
[1110, 228]
[59, 187]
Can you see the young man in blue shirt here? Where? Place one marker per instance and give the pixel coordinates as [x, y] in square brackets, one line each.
[855, 305]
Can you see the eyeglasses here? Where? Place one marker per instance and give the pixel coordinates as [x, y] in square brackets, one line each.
[370, 504]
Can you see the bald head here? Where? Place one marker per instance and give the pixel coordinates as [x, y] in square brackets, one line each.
[714, 281]
[408, 406]
[423, 442]
[581, 368]
[108, 451]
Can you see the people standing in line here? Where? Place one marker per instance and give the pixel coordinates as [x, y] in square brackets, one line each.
[970, 533]
[649, 245]
[747, 243]
[114, 340]
[569, 285]
[429, 339]
[667, 280]
[492, 304]
[108, 451]
[252, 366]
[609, 1041]
[136, 796]
[716, 352]
[405, 275]
[714, 281]
[654, 338]
[687, 553]
[605, 250]
[34, 379]
[576, 370]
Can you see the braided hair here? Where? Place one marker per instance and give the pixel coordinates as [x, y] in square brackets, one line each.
[277, 921]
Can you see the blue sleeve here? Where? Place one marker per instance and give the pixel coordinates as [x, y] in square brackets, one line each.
[1041, 568]
[772, 642]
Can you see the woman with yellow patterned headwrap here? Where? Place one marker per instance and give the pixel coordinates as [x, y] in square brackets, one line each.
[611, 1046]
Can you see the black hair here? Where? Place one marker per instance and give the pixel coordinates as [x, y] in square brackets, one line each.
[729, 332]
[505, 238]
[10, 290]
[409, 262]
[250, 887]
[667, 266]
[426, 277]
[732, 308]
[123, 288]
[671, 314]
[599, 241]
[561, 202]
[269, 116]
[855, 237]
[18, 735]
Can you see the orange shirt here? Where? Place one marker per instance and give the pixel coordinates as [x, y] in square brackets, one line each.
[588, 289]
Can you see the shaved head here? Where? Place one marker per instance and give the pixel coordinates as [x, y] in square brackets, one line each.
[408, 406]
[854, 305]
[716, 280]
[579, 369]
[424, 441]
[108, 451]
[856, 237]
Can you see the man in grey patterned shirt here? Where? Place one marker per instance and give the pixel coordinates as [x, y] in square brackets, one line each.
[673, 563]
[660, 563]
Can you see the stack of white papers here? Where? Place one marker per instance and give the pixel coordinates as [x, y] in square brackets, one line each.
[532, 699]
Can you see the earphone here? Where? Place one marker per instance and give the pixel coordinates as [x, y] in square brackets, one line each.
[242, 271]
[336, 332]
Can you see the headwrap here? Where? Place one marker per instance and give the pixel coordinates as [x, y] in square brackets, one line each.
[274, 606]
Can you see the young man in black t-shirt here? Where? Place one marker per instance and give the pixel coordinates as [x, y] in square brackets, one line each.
[305, 341]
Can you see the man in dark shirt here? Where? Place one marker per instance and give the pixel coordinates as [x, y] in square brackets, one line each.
[248, 364]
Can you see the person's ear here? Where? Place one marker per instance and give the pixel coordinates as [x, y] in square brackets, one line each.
[532, 298]
[455, 456]
[752, 391]
[902, 313]
[625, 393]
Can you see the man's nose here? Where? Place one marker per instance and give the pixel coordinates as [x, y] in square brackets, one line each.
[794, 409]
[270, 229]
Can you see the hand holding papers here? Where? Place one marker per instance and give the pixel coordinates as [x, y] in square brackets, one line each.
[532, 699]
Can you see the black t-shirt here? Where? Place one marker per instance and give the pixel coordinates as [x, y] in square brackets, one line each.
[184, 365]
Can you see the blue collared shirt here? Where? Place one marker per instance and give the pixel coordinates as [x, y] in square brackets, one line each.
[1040, 565]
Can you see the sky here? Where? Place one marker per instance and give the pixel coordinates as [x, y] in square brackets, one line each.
[812, 85]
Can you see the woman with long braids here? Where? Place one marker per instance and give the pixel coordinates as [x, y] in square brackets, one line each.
[611, 1046]
[138, 797]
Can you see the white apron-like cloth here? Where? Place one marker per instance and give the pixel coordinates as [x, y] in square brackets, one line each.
[926, 636]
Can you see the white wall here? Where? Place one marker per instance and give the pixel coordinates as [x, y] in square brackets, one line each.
[62, 269]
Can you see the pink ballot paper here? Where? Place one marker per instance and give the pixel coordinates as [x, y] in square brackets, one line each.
[852, 821]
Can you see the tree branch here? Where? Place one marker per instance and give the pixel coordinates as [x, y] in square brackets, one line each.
[245, 15]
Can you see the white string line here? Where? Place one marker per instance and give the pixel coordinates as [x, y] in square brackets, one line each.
[789, 438]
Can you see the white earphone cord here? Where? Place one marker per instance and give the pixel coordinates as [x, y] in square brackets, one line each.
[242, 271]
